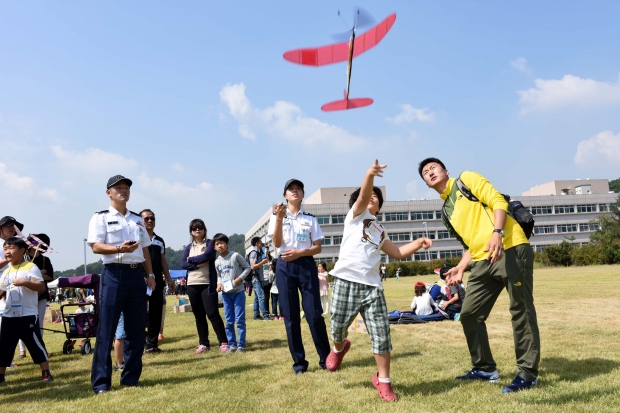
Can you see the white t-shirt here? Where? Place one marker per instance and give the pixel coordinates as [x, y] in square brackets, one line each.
[360, 251]
[20, 299]
[423, 305]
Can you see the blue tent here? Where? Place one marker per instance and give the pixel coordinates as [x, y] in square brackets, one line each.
[174, 274]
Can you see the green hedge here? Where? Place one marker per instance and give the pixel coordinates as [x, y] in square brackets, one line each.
[411, 267]
[566, 254]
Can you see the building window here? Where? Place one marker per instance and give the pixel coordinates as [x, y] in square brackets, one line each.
[337, 239]
[422, 215]
[422, 234]
[384, 258]
[437, 214]
[425, 256]
[588, 227]
[586, 208]
[540, 248]
[450, 253]
[400, 236]
[541, 210]
[338, 219]
[443, 235]
[327, 241]
[396, 216]
[567, 228]
[379, 217]
[603, 207]
[322, 219]
[564, 209]
[544, 229]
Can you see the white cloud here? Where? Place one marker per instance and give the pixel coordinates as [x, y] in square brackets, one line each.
[411, 188]
[409, 114]
[570, 90]
[93, 160]
[177, 167]
[602, 148]
[15, 186]
[520, 63]
[163, 189]
[286, 121]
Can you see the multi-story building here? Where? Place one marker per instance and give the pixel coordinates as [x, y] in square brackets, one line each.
[558, 217]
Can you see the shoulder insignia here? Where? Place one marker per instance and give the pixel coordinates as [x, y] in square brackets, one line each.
[105, 211]
[307, 213]
[134, 213]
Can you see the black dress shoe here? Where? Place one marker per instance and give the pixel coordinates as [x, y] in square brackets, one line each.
[299, 372]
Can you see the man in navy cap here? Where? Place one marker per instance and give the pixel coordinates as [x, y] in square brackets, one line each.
[119, 235]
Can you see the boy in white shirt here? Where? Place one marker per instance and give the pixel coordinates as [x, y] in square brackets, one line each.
[232, 269]
[357, 285]
[22, 282]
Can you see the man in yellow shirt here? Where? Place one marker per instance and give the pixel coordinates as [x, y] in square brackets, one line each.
[502, 257]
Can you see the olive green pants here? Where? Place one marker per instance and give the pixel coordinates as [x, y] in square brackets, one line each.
[514, 272]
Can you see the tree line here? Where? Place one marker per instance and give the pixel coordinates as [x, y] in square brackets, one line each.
[237, 244]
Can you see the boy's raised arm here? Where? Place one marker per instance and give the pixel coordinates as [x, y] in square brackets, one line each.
[361, 205]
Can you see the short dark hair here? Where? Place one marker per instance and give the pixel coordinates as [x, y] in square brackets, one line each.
[419, 290]
[17, 241]
[356, 194]
[220, 237]
[146, 210]
[254, 241]
[426, 162]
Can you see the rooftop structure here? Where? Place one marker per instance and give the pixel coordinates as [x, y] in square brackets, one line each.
[570, 187]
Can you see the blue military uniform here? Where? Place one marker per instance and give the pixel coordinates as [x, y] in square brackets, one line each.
[122, 289]
[301, 275]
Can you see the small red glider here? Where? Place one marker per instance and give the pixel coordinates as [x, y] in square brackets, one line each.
[340, 52]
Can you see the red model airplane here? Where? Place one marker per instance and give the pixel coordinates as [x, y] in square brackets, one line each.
[340, 52]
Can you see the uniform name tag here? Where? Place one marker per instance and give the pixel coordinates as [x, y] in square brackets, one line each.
[112, 222]
[302, 237]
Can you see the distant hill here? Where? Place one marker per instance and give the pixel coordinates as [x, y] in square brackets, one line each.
[172, 256]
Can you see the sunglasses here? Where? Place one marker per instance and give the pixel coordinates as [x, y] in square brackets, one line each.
[150, 219]
[197, 228]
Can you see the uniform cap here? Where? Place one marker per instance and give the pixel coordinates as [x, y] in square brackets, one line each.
[8, 220]
[116, 179]
[291, 182]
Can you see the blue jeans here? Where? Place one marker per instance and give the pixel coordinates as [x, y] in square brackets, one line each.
[259, 298]
[234, 311]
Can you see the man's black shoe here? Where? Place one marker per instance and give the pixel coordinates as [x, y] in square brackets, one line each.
[519, 384]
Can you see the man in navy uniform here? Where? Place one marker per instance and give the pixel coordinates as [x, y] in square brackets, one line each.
[297, 236]
[120, 237]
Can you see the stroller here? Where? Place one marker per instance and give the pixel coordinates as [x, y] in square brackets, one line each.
[82, 325]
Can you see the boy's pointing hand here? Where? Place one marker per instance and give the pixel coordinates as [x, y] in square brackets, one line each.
[376, 169]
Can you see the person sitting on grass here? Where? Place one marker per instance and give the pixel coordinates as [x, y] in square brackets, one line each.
[357, 283]
[452, 303]
[22, 282]
[232, 269]
[423, 303]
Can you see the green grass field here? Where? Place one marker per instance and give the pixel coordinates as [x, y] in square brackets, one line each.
[578, 312]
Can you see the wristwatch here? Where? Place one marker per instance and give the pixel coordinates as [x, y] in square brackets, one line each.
[500, 231]
[151, 275]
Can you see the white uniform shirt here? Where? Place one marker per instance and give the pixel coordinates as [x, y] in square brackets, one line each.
[113, 228]
[298, 231]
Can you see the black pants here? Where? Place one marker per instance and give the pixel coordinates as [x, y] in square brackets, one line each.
[205, 306]
[21, 328]
[156, 302]
[267, 294]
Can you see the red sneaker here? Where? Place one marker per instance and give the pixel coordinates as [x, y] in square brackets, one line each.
[335, 359]
[385, 389]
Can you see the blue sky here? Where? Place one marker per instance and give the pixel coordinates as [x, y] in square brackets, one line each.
[193, 101]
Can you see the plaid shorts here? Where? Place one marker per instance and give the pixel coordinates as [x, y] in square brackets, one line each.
[350, 298]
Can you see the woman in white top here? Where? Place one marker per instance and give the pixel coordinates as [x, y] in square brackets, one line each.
[324, 287]
[199, 261]
[423, 303]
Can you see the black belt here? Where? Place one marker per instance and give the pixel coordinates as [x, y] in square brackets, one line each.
[139, 265]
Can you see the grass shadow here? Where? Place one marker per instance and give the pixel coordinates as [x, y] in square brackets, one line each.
[370, 361]
[266, 344]
[577, 370]
[424, 388]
